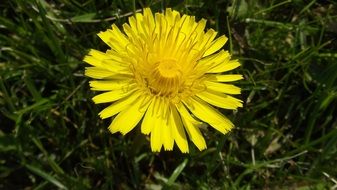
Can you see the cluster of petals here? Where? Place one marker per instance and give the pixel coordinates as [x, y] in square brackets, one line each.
[164, 72]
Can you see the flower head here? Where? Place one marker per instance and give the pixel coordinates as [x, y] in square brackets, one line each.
[164, 71]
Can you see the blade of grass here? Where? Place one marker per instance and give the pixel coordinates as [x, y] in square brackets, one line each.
[51, 162]
[177, 172]
[6, 96]
[45, 176]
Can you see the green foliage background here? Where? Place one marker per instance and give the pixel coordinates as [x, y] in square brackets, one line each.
[285, 136]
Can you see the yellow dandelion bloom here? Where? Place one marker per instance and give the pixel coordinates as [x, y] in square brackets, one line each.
[165, 72]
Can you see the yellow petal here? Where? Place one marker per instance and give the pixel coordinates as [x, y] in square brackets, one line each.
[114, 66]
[98, 54]
[156, 122]
[216, 45]
[107, 85]
[114, 38]
[98, 73]
[129, 32]
[140, 24]
[225, 78]
[225, 66]
[108, 61]
[156, 142]
[95, 57]
[223, 88]
[166, 129]
[133, 23]
[149, 22]
[106, 36]
[149, 118]
[205, 40]
[119, 105]
[113, 95]
[191, 126]
[115, 56]
[220, 100]
[126, 120]
[167, 135]
[119, 36]
[200, 26]
[178, 130]
[171, 16]
[92, 61]
[156, 110]
[212, 61]
[208, 114]
[187, 23]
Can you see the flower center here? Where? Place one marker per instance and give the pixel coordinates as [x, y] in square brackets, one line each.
[166, 78]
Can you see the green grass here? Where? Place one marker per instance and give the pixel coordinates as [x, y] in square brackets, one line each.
[285, 137]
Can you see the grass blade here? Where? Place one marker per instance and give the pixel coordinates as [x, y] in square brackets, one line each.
[177, 172]
[45, 176]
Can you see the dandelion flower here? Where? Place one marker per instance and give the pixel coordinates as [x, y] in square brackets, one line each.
[165, 72]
